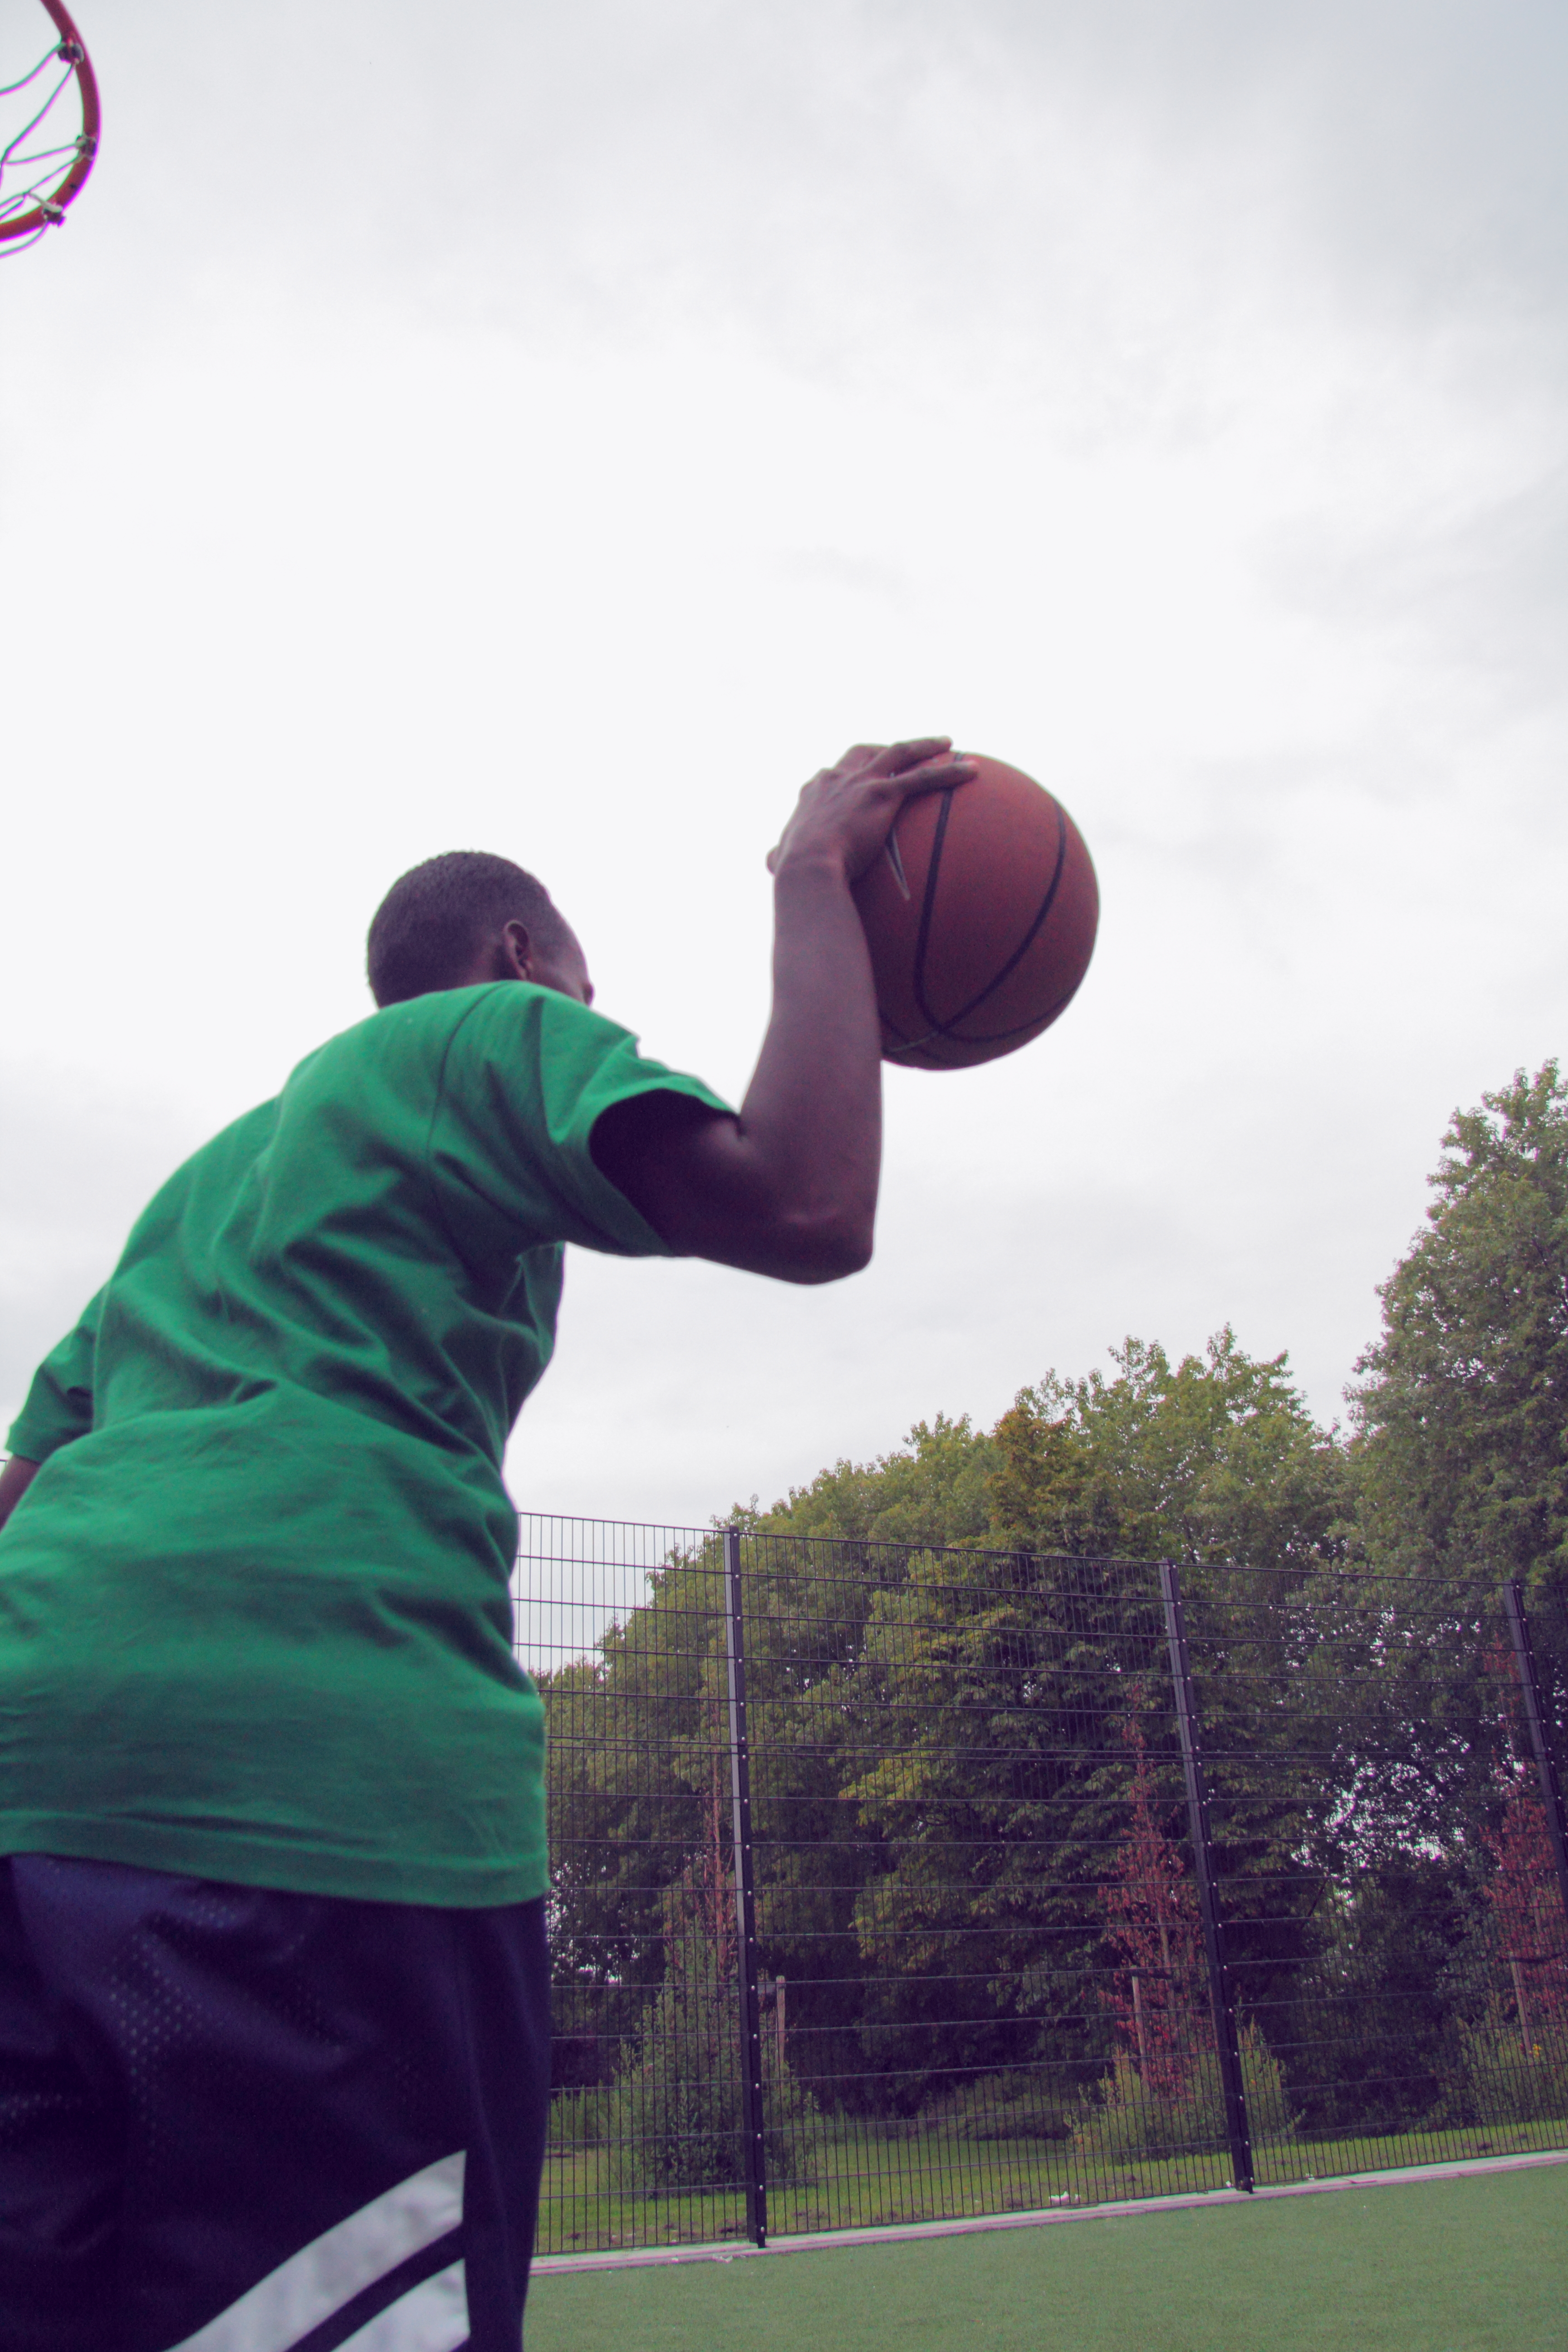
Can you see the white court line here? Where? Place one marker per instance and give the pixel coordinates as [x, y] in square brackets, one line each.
[900, 2232]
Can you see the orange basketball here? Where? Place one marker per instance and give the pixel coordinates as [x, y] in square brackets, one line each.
[980, 916]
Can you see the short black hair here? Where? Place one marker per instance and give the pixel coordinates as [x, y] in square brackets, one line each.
[435, 917]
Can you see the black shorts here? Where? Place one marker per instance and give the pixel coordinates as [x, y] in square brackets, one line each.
[232, 2118]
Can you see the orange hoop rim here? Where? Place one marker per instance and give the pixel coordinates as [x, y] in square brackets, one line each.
[51, 212]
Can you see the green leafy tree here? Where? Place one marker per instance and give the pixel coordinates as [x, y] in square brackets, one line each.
[1462, 1410]
[941, 1648]
[977, 1743]
[1214, 1458]
[932, 1490]
[676, 2120]
[930, 1779]
[1208, 1461]
[635, 1730]
[839, 1546]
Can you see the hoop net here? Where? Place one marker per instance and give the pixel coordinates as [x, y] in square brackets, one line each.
[48, 130]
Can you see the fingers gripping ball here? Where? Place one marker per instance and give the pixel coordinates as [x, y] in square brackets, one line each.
[980, 917]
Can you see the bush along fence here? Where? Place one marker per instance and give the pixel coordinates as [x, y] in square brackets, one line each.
[897, 1883]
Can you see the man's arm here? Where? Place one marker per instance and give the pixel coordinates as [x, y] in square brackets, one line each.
[14, 1480]
[789, 1187]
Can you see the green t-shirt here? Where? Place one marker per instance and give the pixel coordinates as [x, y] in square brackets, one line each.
[254, 1610]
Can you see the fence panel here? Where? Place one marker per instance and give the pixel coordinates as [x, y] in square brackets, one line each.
[1390, 1908]
[623, 1627]
[978, 1979]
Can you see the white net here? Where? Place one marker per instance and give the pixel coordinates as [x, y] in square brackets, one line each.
[48, 122]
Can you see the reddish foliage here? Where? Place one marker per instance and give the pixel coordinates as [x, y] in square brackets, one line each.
[702, 1898]
[1526, 1904]
[1158, 1996]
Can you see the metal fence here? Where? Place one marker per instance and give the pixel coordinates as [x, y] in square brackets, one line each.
[893, 1883]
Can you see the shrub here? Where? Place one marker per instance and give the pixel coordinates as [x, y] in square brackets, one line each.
[674, 2116]
[579, 2120]
[1125, 2121]
[1499, 2082]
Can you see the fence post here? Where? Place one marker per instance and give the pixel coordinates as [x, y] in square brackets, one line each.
[1552, 1795]
[745, 1905]
[1220, 1994]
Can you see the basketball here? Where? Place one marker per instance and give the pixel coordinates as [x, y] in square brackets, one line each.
[980, 916]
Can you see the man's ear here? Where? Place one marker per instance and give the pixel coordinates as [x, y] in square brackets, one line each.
[514, 952]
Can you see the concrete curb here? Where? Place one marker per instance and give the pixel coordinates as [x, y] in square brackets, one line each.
[908, 2233]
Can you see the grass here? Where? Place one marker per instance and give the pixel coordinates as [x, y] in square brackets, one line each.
[1467, 2265]
[868, 2176]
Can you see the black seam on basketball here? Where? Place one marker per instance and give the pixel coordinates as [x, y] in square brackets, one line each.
[928, 904]
[896, 1046]
[1020, 1029]
[940, 1028]
[1030, 1028]
[1027, 941]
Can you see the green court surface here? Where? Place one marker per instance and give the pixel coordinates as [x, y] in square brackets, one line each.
[1474, 2263]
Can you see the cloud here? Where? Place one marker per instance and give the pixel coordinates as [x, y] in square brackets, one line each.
[823, 170]
[559, 431]
[79, 1166]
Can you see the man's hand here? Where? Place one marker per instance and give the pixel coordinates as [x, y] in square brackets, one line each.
[789, 1189]
[846, 812]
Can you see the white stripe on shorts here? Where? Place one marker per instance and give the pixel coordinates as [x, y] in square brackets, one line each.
[322, 2276]
[433, 2317]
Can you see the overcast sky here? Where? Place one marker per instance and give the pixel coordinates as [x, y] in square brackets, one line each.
[559, 431]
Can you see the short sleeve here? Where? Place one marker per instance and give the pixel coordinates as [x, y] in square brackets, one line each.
[59, 1403]
[527, 1074]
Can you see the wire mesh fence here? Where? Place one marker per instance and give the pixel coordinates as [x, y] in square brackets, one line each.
[897, 1883]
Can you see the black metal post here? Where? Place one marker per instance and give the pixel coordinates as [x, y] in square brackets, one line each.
[1220, 1993]
[1552, 1795]
[745, 1908]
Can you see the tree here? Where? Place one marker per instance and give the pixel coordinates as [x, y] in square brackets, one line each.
[944, 1646]
[1159, 1992]
[1214, 1458]
[1208, 1461]
[634, 1729]
[677, 2118]
[1528, 1911]
[932, 1490]
[1514, 2043]
[977, 1758]
[1462, 1412]
[978, 1839]
[1163, 2097]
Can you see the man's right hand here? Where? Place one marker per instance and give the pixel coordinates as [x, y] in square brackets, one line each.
[846, 812]
[789, 1188]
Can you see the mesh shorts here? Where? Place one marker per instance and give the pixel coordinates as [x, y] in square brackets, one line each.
[237, 2120]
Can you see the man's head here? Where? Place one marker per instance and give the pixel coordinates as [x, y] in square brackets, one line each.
[466, 917]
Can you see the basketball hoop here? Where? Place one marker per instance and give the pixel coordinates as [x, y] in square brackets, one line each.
[42, 165]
